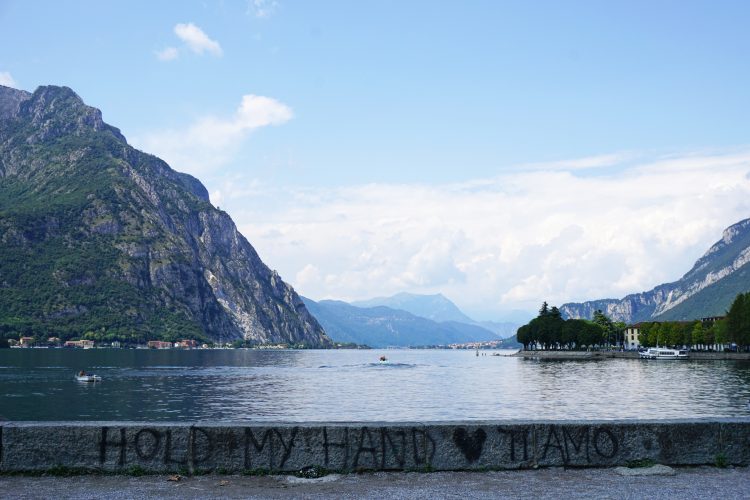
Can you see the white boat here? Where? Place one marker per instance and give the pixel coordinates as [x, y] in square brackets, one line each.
[88, 378]
[664, 353]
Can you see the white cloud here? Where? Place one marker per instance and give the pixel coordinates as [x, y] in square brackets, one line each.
[167, 54]
[262, 8]
[197, 40]
[590, 162]
[499, 244]
[7, 79]
[211, 141]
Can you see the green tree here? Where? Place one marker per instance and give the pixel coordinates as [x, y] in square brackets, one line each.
[523, 335]
[608, 328]
[571, 331]
[697, 336]
[720, 332]
[709, 338]
[738, 320]
[544, 310]
[591, 334]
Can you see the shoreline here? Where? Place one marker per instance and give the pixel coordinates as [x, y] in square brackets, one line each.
[584, 355]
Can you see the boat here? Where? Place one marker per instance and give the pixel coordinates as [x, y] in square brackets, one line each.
[88, 377]
[383, 359]
[664, 353]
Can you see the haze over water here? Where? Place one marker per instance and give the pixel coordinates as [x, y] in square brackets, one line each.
[416, 385]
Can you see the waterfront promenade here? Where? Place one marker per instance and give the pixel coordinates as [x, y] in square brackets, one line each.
[582, 355]
[558, 483]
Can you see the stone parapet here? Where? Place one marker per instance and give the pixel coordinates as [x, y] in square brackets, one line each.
[346, 447]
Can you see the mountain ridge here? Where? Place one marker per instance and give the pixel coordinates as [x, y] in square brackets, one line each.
[434, 307]
[404, 319]
[716, 272]
[99, 237]
[382, 326]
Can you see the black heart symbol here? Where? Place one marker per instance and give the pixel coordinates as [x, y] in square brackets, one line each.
[470, 446]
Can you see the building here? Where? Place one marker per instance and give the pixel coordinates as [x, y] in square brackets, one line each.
[27, 341]
[158, 344]
[632, 337]
[709, 322]
[81, 344]
[186, 344]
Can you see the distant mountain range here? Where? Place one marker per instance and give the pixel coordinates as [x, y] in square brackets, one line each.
[434, 307]
[708, 289]
[404, 320]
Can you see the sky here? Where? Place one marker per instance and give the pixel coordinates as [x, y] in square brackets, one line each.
[501, 153]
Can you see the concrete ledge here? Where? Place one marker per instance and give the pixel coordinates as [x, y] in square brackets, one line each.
[235, 447]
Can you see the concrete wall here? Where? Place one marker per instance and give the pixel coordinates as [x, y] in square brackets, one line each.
[122, 447]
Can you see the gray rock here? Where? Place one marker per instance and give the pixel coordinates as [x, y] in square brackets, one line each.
[654, 470]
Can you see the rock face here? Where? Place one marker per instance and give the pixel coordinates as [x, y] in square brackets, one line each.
[98, 237]
[708, 289]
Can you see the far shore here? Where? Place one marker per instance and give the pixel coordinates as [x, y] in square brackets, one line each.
[579, 355]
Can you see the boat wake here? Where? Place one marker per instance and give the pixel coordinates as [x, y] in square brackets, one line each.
[381, 365]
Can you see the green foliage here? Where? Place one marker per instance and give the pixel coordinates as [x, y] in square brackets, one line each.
[552, 332]
[738, 321]
[62, 271]
[697, 335]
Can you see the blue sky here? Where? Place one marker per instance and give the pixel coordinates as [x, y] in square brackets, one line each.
[432, 100]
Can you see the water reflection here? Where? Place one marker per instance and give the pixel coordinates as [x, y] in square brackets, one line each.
[38, 384]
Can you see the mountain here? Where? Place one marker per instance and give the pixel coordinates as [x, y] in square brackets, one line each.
[385, 327]
[504, 330]
[434, 307]
[708, 289]
[102, 240]
[437, 308]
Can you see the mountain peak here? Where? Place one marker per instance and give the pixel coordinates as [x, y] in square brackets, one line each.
[10, 100]
[58, 111]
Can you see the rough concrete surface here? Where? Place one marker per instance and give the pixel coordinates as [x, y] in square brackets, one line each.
[350, 447]
[557, 483]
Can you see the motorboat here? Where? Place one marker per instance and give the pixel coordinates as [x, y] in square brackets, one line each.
[383, 359]
[664, 353]
[88, 377]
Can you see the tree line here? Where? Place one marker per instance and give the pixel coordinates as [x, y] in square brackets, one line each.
[550, 331]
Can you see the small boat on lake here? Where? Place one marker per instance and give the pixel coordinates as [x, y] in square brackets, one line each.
[664, 353]
[87, 377]
[383, 359]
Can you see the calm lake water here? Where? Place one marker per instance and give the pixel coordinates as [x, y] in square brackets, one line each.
[171, 385]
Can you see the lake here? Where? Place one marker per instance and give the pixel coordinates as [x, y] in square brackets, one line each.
[350, 385]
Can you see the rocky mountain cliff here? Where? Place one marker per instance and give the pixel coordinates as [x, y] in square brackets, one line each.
[708, 289]
[101, 239]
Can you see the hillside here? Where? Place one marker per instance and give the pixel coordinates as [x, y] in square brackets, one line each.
[103, 240]
[708, 289]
